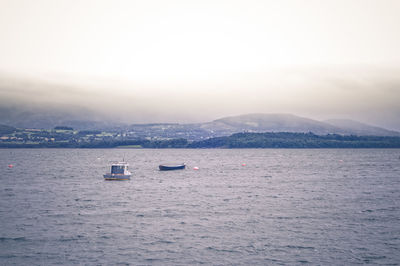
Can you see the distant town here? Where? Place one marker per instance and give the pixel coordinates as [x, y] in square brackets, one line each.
[245, 131]
[68, 137]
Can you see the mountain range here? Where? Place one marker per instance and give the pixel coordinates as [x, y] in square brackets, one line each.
[293, 123]
[196, 131]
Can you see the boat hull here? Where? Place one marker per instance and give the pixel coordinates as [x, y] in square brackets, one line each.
[171, 167]
[111, 177]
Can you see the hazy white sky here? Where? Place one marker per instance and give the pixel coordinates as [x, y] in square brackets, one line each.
[316, 58]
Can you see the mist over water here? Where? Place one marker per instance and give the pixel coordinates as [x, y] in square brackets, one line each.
[283, 207]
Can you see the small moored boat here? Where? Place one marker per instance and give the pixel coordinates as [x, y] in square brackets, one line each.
[119, 171]
[168, 167]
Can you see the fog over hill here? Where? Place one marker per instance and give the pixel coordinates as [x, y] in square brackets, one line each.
[368, 95]
[48, 118]
[31, 102]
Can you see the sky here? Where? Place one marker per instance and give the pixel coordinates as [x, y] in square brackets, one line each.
[192, 61]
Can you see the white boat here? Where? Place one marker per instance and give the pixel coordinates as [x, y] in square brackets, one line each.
[119, 171]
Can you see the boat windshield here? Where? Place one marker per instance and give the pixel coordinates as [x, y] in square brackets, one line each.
[117, 169]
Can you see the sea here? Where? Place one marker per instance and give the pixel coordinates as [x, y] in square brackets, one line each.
[241, 207]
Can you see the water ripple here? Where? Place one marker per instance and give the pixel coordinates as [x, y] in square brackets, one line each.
[286, 207]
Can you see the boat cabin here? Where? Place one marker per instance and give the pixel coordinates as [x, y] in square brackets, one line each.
[120, 168]
[119, 171]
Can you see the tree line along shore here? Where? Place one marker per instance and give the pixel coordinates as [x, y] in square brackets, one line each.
[63, 138]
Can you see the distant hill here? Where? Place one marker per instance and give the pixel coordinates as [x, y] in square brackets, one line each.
[357, 128]
[259, 123]
[48, 119]
[270, 123]
[256, 123]
[7, 129]
[253, 123]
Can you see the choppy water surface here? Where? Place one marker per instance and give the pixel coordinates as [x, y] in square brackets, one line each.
[283, 207]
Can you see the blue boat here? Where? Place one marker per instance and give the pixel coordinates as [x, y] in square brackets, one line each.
[169, 167]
